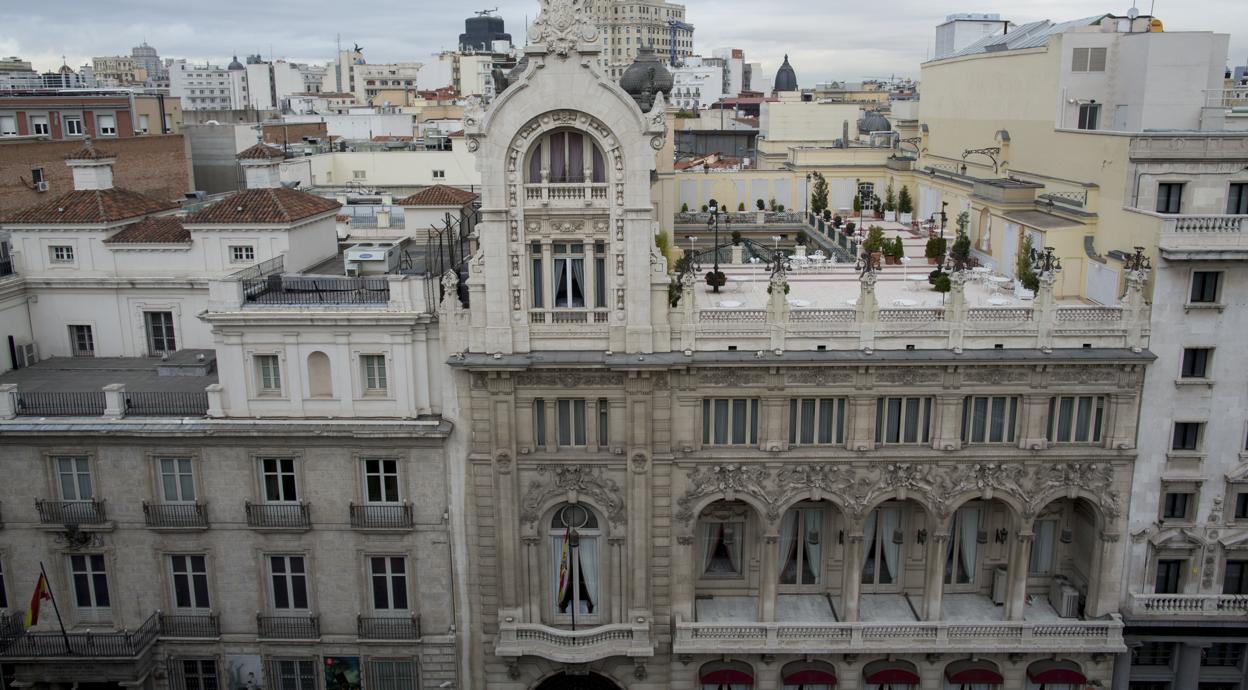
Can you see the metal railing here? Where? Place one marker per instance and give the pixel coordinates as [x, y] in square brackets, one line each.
[175, 515]
[190, 625]
[7, 267]
[275, 265]
[116, 645]
[164, 404]
[288, 627]
[1226, 98]
[278, 289]
[70, 512]
[278, 515]
[398, 516]
[392, 628]
[84, 404]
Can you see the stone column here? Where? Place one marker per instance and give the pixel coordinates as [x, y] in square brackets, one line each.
[1187, 674]
[868, 310]
[1034, 432]
[851, 581]
[1020, 564]
[115, 401]
[1106, 570]
[955, 310]
[1122, 672]
[948, 436]
[770, 578]
[618, 581]
[683, 575]
[531, 574]
[420, 379]
[1045, 311]
[934, 585]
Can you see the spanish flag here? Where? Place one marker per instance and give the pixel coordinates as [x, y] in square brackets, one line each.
[565, 588]
[41, 593]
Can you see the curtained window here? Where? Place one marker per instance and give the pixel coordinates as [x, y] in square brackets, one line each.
[989, 419]
[730, 421]
[882, 539]
[569, 278]
[963, 547]
[817, 421]
[903, 420]
[575, 561]
[721, 548]
[801, 547]
[567, 157]
[1076, 419]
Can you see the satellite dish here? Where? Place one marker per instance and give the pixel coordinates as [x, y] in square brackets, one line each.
[1133, 13]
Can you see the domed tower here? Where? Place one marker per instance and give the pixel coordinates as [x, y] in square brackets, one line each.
[874, 122]
[236, 65]
[786, 78]
[646, 77]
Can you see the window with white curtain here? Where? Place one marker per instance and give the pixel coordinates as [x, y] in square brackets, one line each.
[989, 419]
[720, 543]
[730, 421]
[816, 421]
[963, 549]
[882, 542]
[903, 420]
[570, 418]
[1043, 547]
[569, 275]
[567, 157]
[1076, 419]
[575, 562]
[801, 546]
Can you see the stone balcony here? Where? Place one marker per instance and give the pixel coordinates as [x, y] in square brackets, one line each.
[1172, 606]
[516, 639]
[572, 195]
[1211, 237]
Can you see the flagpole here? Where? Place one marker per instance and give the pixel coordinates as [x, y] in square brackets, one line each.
[56, 609]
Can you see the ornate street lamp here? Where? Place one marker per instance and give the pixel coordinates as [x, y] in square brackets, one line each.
[712, 224]
[1048, 262]
[1138, 262]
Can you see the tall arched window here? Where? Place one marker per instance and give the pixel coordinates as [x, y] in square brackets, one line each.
[964, 539]
[574, 540]
[801, 546]
[320, 382]
[882, 541]
[565, 157]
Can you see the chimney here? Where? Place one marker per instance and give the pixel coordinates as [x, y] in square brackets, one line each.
[262, 166]
[845, 134]
[92, 168]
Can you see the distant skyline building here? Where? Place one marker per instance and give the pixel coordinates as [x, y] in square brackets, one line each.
[626, 26]
[482, 32]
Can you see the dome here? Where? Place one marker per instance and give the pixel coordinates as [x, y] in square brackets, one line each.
[786, 78]
[236, 65]
[646, 77]
[874, 122]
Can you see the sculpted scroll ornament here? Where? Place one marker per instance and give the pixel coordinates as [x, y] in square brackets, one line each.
[569, 379]
[729, 480]
[579, 480]
[561, 26]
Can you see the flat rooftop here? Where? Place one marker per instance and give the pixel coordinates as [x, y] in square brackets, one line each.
[181, 372]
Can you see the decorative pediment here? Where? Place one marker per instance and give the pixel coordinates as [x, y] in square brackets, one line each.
[573, 482]
[1239, 474]
[562, 26]
[1238, 539]
[1177, 538]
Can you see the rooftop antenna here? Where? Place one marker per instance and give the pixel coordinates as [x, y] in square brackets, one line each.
[485, 13]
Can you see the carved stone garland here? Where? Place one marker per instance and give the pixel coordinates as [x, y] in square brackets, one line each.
[577, 480]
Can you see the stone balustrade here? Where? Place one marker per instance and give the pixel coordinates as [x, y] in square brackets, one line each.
[1066, 636]
[1170, 605]
[573, 646]
[565, 195]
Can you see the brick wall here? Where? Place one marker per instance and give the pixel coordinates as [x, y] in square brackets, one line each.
[294, 133]
[155, 165]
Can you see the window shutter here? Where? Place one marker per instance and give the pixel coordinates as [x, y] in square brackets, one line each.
[1096, 59]
[1080, 61]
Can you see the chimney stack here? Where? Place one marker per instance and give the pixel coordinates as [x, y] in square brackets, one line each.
[262, 166]
[92, 168]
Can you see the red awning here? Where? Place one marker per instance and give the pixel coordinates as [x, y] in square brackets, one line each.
[893, 675]
[727, 676]
[974, 675]
[1057, 675]
[810, 677]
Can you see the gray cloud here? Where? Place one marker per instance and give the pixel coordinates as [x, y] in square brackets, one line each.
[824, 40]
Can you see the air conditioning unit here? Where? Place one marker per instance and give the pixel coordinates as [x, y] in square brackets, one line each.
[41, 186]
[1064, 598]
[1000, 585]
[27, 355]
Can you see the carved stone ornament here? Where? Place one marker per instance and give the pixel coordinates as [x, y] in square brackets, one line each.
[561, 26]
[908, 375]
[820, 377]
[1085, 375]
[503, 460]
[578, 480]
[729, 480]
[640, 463]
[994, 376]
[569, 379]
[728, 376]
[570, 226]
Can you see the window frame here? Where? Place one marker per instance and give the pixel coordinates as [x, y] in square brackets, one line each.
[1179, 578]
[382, 474]
[93, 612]
[569, 257]
[752, 408]
[62, 255]
[374, 379]
[168, 334]
[1192, 433]
[1177, 504]
[235, 250]
[1196, 363]
[1237, 198]
[271, 579]
[74, 126]
[925, 409]
[1218, 277]
[101, 129]
[181, 461]
[1096, 420]
[1089, 118]
[280, 473]
[1241, 563]
[1011, 406]
[389, 576]
[82, 460]
[571, 416]
[191, 575]
[4, 589]
[1172, 198]
[551, 583]
[835, 410]
[201, 678]
[12, 122]
[81, 342]
[266, 365]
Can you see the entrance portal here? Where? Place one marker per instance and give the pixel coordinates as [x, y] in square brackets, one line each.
[564, 681]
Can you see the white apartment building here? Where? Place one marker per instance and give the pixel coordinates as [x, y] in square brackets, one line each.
[371, 80]
[208, 87]
[625, 26]
[697, 85]
[269, 85]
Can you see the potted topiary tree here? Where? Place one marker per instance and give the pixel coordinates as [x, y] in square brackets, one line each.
[1023, 267]
[716, 279]
[961, 252]
[893, 251]
[890, 201]
[760, 216]
[874, 243]
[741, 207]
[905, 205]
[705, 208]
[939, 280]
[819, 195]
[935, 250]
[736, 237]
[684, 208]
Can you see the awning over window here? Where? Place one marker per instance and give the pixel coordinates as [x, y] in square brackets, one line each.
[1055, 672]
[973, 672]
[882, 672]
[810, 677]
[727, 676]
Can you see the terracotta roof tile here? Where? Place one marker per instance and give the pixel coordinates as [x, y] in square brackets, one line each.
[153, 230]
[279, 205]
[261, 152]
[89, 153]
[439, 195]
[86, 207]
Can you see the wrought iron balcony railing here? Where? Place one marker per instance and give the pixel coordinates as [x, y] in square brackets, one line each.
[190, 625]
[388, 628]
[89, 512]
[120, 644]
[288, 627]
[279, 515]
[175, 515]
[396, 516]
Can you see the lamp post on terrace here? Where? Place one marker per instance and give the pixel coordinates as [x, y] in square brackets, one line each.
[808, 195]
[712, 223]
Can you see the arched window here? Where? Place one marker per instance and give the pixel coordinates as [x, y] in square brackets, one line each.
[972, 675]
[1055, 675]
[574, 540]
[801, 546]
[882, 541]
[890, 675]
[808, 675]
[320, 381]
[721, 540]
[963, 549]
[726, 675]
[567, 156]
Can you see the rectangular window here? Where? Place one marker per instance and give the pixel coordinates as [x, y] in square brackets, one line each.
[177, 480]
[535, 250]
[160, 335]
[1235, 579]
[197, 674]
[1241, 506]
[1205, 287]
[61, 254]
[571, 422]
[390, 674]
[1169, 576]
[903, 420]
[8, 126]
[1196, 362]
[374, 373]
[569, 278]
[190, 582]
[1186, 436]
[288, 576]
[1043, 548]
[388, 579]
[293, 674]
[1076, 419]
[90, 585]
[81, 341]
[816, 421]
[539, 421]
[604, 428]
[268, 374]
[39, 125]
[143, 123]
[358, 174]
[1089, 115]
[73, 126]
[1223, 654]
[381, 480]
[439, 174]
[1153, 654]
[1236, 199]
[600, 275]
[730, 421]
[107, 125]
[1170, 197]
[74, 478]
[37, 177]
[1089, 60]
[1176, 505]
[989, 419]
[243, 253]
[278, 476]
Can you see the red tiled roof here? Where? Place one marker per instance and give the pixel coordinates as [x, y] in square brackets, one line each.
[90, 206]
[261, 152]
[439, 195]
[278, 205]
[89, 153]
[153, 230]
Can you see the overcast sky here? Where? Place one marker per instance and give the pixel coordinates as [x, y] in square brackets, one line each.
[825, 40]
